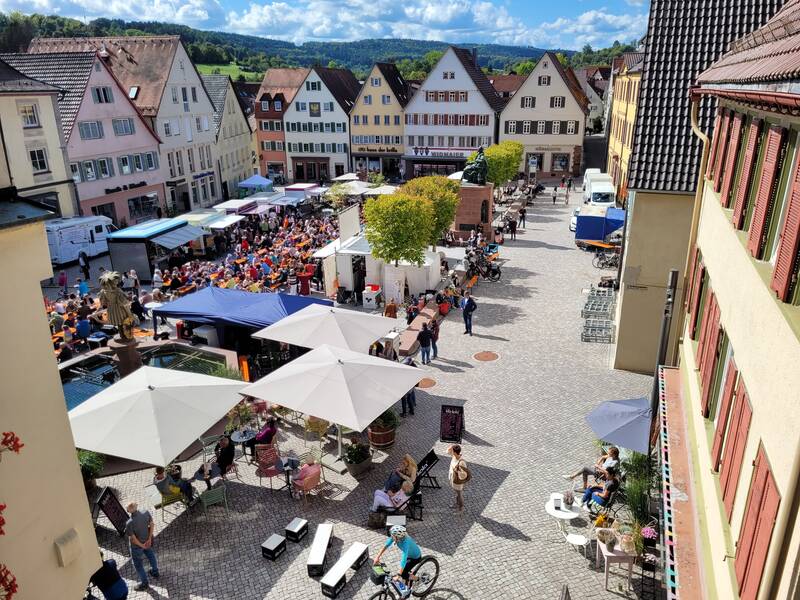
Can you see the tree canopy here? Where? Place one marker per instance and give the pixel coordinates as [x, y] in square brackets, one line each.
[442, 193]
[503, 160]
[398, 227]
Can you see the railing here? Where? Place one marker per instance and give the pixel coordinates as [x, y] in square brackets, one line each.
[667, 525]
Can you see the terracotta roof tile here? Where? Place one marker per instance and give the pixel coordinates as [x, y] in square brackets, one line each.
[395, 79]
[479, 78]
[507, 83]
[12, 81]
[282, 81]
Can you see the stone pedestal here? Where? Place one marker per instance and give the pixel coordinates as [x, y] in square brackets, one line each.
[472, 212]
[128, 359]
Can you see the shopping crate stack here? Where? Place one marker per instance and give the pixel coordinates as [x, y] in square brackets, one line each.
[599, 312]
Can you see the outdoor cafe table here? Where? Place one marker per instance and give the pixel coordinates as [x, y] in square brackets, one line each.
[563, 514]
[242, 437]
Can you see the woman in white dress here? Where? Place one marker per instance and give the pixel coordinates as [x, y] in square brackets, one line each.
[457, 475]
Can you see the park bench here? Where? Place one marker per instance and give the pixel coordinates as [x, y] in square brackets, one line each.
[319, 548]
[336, 577]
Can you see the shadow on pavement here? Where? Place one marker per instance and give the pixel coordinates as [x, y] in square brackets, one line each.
[503, 530]
[444, 594]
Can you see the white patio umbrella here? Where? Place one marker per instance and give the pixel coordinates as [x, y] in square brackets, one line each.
[318, 324]
[153, 415]
[381, 190]
[457, 175]
[338, 385]
[346, 177]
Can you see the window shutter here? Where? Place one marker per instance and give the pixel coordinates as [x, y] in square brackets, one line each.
[690, 274]
[506, 126]
[730, 161]
[701, 343]
[552, 101]
[733, 453]
[741, 192]
[712, 158]
[707, 369]
[548, 127]
[471, 120]
[766, 188]
[694, 305]
[783, 274]
[724, 413]
[722, 145]
[755, 498]
[522, 102]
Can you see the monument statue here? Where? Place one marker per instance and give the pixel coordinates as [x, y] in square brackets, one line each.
[116, 302]
[476, 171]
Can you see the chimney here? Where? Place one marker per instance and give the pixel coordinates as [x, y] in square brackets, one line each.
[475, 56]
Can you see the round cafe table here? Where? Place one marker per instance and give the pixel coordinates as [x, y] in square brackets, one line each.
[563, 514]
[242, 437]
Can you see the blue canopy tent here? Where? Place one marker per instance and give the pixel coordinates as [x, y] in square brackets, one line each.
[255, 181]
[221, 307]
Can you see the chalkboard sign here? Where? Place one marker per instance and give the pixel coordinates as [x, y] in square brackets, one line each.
[452, 423]
[111, 507]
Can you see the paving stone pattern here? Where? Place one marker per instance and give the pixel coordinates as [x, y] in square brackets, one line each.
[525, 429]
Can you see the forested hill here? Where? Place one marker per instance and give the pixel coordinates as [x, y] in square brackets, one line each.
[257, 53]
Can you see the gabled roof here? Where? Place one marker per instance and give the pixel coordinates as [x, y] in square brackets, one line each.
[616, 64]
[394, 78]
[768, 54]
[632, 59]
[14, 82]
[217, 88]
[342, 84]
[568, 75]
[143, 61]
[507, 84]
[67, 71]
[683, 39]
[479, 78]
[282, 81]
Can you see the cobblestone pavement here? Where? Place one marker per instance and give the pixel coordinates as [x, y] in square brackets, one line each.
[525, 430]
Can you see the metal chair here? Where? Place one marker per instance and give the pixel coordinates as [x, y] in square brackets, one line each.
[208, 443]
[316, 426]
[215, 495]
[316, 454]
[266, 458]
[167, 500]
[308, 484]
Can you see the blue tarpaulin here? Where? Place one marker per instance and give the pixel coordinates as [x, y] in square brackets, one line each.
[596, 223]
[255, 181]
[216, 306]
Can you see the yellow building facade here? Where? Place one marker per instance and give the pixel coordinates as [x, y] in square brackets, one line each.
[376, 123]
[625, 97]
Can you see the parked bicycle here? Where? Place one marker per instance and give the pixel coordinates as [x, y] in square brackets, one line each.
[426, 572]
[606, 260]
[479, 265]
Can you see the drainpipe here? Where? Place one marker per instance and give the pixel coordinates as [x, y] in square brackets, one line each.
[698, 203]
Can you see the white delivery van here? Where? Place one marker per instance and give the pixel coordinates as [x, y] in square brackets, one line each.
[591, 180]
[68, 237]
[603, 194]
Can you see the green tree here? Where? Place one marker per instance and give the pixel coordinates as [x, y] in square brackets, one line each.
[337, 195]
[398, 227]
[503, 160]
[525, 67]
[376, 179]
[442, 193]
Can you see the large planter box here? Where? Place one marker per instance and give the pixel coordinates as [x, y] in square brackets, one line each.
[380, 437]
[358, 469]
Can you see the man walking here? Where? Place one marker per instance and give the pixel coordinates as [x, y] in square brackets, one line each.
[522, 213]
[83, 262]
[468, 307]
[512, 226]
[434, 337]
[139, 530]
[555, 194]
[424, 338]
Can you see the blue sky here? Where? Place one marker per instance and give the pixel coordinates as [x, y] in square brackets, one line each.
[543, 23]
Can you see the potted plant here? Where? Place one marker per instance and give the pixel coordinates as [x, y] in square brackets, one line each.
[239, 416]
[649, 537]
[569, 498]
[91, 464]
[382, 430]
[357, 458]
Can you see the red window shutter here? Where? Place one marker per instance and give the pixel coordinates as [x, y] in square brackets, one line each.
[790, 241]
[708, 311]
[714, 145]
[694, 305]
[766, 186]
[691, 275]
[719, 159]
[733, 453]
[755, 498]
[724, 413]
[707, 369]
[471, 120]
[730, 160]
[766, 513]
[743, 189]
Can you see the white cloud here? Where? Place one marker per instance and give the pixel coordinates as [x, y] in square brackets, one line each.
[487, 21]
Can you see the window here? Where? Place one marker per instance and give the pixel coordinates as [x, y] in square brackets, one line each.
[375, 81]
[185, 96]
[194, 95]
[386, 99]
[277, 105]
[313, 86]
[90, 130]
[544, 79]
[397, 120]
[75, 170]
[138, 164]
[125, 165]
[430, 96]
[557, 101]
[174, 95]
[440, 141]
[30, 116]
[190, 154]
[526, 127]
[511, 127]
[462, 119]
[556, 127]
[133, 92]
[122, 126]
[528, 102]
[327, 106]
[167, 128]
[208, 154]
[356, 119]
[560, 162]
[540, 127]
[376, 119]
[483, 120]
[571, 127]
[462, 96]
[171, 164]
[205, 123]
[104, 168]
[102, 95]
[452, 96]
[88, 170]
[442, 96]
[212, 186]
[202, 158]
[368, 99]
[386, 120]
[451, 141]
[301, 106]
[179, 161]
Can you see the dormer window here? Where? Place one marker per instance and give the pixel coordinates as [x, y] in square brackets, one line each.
[133, 92]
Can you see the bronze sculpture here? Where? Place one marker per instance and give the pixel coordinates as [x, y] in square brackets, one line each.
[117, 305]
[476, 171]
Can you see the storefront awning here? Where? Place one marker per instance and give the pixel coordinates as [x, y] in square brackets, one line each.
[225, 221]
[178, 237]
[257, 210]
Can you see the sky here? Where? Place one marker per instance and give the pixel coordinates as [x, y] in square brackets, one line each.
[566, 24]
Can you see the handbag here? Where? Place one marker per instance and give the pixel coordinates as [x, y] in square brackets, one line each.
[461, 467]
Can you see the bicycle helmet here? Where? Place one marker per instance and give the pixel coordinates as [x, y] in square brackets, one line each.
[397, 531]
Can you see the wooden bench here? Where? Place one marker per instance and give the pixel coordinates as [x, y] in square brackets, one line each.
[335, 579]
[319, 548]
[408, 338]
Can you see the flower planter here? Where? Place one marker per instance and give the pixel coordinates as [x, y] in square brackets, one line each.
[381, 437]
[358, 469]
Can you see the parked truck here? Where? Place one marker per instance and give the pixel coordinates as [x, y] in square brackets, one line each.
[66, 238]
[591, 181]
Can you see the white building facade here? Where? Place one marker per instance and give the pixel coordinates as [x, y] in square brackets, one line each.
[452, 114]
[547, 116]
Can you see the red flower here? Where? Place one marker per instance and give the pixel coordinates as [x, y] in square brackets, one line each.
[11, 442]
[8, 583]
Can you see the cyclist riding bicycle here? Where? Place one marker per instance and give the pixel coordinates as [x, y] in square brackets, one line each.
[411, 556]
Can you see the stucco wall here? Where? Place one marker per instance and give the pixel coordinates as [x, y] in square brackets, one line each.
[41, 486]
[369, 111]
[234, 141]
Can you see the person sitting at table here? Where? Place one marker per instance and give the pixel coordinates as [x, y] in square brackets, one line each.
[309, 469]
[56, 322]
[168, 486]
[85, 309]
[137, 309]
[264, 436]
[601, 494]
[392, 498]
[64, 352]
[405, 471]
[158, 281]
[83, 329]
[224, 453]
[600, 468]
[175, 282]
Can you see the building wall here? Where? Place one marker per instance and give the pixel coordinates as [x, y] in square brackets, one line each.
[764, 336]
[48, 136]
[42, 485]
[547, 144]
[620, 128]
[271, 137]
[315, 138]
[366, 114]
[95, 193]
[207, 188]
[232, 150]
[657, 235]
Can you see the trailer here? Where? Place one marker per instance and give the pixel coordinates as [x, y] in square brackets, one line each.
[66, 238]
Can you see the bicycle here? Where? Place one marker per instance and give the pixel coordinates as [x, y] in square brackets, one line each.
[426, 571]
[605, 260]
[89, 595]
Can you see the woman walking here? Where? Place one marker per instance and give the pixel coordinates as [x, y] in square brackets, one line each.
[458, 475]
